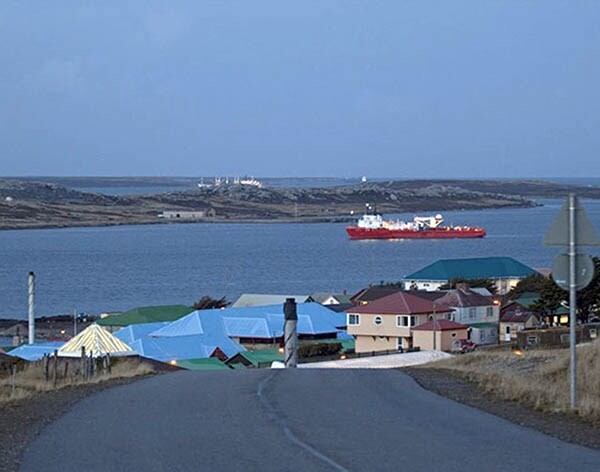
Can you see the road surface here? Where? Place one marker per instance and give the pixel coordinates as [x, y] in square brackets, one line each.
[280, 420]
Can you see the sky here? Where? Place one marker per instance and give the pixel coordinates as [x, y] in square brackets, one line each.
[300, 88]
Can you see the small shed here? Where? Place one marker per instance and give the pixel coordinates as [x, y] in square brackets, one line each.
[255, 359]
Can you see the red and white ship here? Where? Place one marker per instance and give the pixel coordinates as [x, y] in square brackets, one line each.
[429, 227]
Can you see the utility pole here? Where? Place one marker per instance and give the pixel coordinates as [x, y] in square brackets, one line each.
[31, 300]
[74, 323]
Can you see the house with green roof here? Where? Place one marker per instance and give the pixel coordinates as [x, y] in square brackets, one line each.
[255, 359]
[147, 314]
[505, 272]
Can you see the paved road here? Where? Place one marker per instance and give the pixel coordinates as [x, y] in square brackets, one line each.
[303, 420]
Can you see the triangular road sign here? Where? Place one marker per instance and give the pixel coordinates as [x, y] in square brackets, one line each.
[585, 234]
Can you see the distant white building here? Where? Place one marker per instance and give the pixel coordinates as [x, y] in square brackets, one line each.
[187, 215]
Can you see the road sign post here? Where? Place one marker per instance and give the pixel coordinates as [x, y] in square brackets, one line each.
[572, 228]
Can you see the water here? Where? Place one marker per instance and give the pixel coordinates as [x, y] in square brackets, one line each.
[106, 269]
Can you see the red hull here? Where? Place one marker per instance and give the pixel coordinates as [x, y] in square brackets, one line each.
[440, 233]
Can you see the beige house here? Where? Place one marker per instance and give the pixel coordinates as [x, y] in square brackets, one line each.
[388, 323]
[442, 335]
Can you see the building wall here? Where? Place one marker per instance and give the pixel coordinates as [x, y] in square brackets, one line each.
[444, 340]
[502, 285]
[483, 336]
[373, 337]
[479, 314]
[375, 343]
[515, 328]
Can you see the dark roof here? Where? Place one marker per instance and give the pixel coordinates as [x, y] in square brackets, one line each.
[516, 316]
[472, 268]
[440, 325]
[464, 297]
[429, 295]
[370, 294]
[400, 303]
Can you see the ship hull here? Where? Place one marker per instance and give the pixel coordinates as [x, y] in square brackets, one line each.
[439, 233]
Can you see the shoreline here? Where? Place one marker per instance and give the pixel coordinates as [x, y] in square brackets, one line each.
[253, 221]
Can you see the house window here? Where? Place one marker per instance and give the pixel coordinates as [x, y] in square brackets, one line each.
[353, 320]
[405, 321]
[377, 320]
[489, 311]
[508, 330]
[471, 313]
[532, 340]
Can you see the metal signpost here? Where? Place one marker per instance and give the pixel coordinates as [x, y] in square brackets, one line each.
[572, 271]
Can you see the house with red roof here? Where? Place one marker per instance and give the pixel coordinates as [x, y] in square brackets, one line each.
[439, 335]
[387, 323]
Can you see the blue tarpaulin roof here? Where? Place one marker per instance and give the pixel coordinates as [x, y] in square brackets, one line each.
[33, 352]
[133, 332]
[255, 322]
[183, 347]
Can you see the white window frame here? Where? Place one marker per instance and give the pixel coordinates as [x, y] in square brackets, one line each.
[378, 317]
[350, 315]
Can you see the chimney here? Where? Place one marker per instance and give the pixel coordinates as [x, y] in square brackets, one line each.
[31, 323]
[290, 333]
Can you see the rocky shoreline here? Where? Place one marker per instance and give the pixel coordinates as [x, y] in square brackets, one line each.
[26, 204]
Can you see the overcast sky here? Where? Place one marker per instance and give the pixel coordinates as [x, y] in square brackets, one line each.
[305, 88]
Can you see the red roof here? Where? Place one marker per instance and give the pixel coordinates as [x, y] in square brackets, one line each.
[400, 303]
[440, 325]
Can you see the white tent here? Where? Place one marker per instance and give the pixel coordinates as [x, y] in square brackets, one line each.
[97, 342]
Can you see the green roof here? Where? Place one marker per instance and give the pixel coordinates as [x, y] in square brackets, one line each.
[261, 357]
[211, 363]
[147, 314]
[473, 268]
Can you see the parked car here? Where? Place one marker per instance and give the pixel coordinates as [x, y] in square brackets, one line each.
[464, 345]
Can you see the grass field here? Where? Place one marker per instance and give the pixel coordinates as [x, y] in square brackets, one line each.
[30, 378]
[536, 378]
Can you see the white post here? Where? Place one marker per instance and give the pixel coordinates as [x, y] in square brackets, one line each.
[31, 321]
[572, 302]
[290, 333]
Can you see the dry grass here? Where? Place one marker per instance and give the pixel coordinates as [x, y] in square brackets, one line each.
[536, 378]
[30, 379]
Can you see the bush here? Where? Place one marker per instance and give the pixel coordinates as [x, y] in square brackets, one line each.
[319, 349]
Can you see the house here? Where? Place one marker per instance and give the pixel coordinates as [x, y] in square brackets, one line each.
[387, 323]
[479, 312]
[369, 294]
[556, 336]
[527, 301]
[255, 359]
[264, 299]
[505, 272]
[439, 335]
[514, 318]
[147, 314]
[329, 298]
